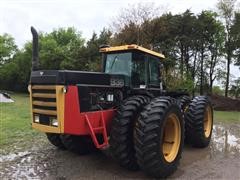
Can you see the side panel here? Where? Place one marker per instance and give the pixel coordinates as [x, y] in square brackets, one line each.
[75, 121]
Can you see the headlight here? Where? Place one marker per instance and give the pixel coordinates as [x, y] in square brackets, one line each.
[29, 88]
[54, 122]
[36, 118]
[64, 89]
[117, 82]
[110, 97]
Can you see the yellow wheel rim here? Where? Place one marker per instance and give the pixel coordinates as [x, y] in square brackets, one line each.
[171, 138]
[208, 121]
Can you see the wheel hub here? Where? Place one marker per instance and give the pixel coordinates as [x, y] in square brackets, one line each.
[171, 138]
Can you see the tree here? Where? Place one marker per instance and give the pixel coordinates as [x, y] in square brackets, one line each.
[235, 31]
[7, 48]
[235, 88]
[226, 9]
[60, 49]
[92, 49]
[210, 39]
[127, 26]
[216, 90]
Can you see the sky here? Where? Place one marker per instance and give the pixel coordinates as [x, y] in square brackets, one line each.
[16, 16]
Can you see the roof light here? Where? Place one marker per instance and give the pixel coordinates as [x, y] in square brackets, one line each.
[132, 46]
[103, 50]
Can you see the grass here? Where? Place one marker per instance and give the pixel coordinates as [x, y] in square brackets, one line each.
[226, 116]
[15, 120]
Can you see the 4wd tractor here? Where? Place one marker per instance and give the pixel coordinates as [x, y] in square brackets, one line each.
[124, 107]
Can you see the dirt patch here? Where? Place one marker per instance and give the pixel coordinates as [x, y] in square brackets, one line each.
[221, 103]
[43, 161]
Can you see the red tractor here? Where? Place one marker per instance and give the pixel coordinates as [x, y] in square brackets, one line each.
[124, 107]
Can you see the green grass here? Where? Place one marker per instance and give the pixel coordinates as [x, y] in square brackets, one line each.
[226, 116]
[15, 120]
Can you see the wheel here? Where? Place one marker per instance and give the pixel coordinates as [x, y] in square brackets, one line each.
[121, 136]
[78, 144]
[199, 122]
[55, 140]
[184, 102]
[160, 137]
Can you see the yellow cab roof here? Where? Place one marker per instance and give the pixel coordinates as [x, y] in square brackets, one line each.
[131, 47]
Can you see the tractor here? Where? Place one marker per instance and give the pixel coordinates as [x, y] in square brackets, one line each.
[125, 108]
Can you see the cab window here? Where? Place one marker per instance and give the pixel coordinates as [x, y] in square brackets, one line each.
[118, 63]
[138, 67]
[153, 67]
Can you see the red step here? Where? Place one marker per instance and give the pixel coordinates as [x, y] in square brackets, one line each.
[101, 129]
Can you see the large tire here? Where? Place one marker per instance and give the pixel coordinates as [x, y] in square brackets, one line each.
[55, 140]
[184, 103]
[160, 137]
[78, 144]
[199, 122]
[121, 136]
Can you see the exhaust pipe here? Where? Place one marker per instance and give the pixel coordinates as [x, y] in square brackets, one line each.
[35, 58]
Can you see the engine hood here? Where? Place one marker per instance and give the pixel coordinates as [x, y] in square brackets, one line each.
[66, 77]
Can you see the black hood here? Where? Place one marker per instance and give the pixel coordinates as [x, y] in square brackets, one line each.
[66, 77]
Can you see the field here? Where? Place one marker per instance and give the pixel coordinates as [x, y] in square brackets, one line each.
[26, 153]
[15, 121]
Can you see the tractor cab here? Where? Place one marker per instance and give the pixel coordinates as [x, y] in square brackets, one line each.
[139, 65]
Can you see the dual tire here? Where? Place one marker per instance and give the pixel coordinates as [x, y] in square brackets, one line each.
[160, 137]
[122, 134]
[199, 122]
[151, 135]
[148, 135]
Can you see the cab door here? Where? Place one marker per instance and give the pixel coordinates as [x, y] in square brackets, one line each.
[153, 72]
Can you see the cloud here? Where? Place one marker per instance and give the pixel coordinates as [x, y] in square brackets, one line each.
[86, 16]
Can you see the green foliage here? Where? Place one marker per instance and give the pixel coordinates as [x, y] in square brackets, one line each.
[174, 82]
[227, 11]
[63, 48]
[235, 88]
[217, 91]
[235, 31]
[7, 48]
[58, 49]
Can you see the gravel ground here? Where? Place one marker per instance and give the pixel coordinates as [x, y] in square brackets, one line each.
[221, 160]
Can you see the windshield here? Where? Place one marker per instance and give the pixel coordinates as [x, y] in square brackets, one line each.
[118, 63]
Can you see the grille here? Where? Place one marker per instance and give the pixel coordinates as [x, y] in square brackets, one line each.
[44, 103]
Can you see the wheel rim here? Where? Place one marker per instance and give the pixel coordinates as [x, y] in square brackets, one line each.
[207, 122]
[171, 138]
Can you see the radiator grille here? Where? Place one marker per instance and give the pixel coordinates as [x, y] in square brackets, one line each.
[44, 103]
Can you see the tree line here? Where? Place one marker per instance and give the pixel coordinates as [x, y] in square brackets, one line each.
[199, 48]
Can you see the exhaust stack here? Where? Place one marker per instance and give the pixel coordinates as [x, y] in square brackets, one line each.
[35, 58]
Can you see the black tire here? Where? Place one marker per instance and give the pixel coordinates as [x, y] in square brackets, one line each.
[195, 127]
[151, 137]
[78, 144]
[184, 103]
[55, 140]
[121, 136]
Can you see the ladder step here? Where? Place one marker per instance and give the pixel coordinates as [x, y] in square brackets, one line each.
[102, 130]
